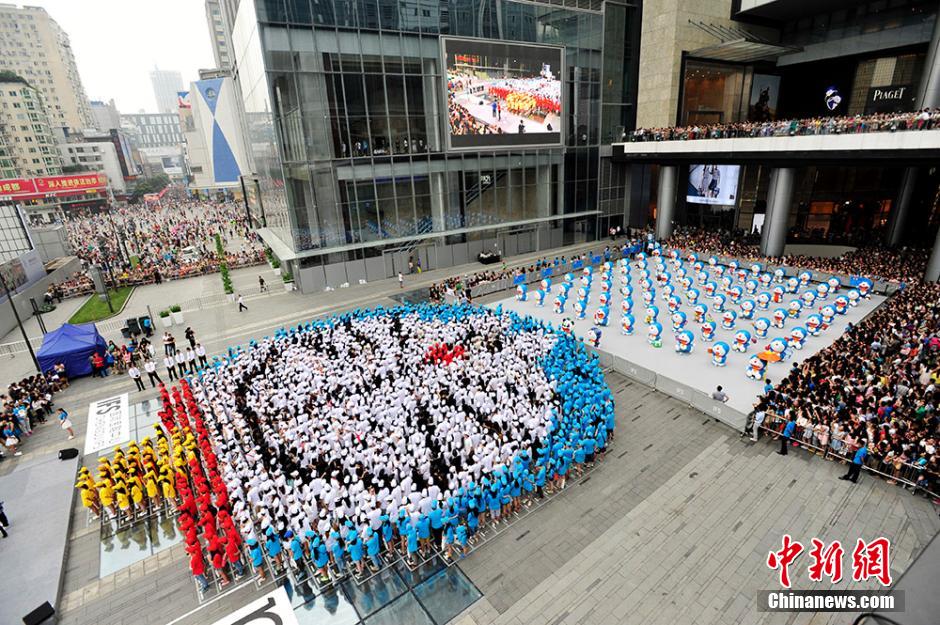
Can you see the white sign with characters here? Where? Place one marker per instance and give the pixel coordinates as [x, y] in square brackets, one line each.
[272, 609]
[108, 424]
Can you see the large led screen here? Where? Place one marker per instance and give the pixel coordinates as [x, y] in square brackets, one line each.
[502, 94]
[713, 184]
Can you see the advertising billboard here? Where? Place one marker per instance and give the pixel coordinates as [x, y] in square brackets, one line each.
[762, 105]
[713, 184]
[502, 94]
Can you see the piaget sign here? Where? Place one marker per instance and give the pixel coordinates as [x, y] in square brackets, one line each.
[890, 99]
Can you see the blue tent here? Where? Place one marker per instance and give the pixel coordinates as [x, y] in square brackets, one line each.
[72, 345]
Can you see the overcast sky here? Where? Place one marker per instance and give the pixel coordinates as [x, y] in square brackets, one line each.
[117, 42]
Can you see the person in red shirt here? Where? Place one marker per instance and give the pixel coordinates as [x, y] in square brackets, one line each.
[198, 567]
[234, 556]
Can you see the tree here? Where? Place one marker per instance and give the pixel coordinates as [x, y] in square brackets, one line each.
[154, 184]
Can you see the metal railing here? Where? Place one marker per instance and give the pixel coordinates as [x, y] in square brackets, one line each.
[904, 473]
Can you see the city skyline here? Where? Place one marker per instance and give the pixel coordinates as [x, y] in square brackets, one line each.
[126, 51]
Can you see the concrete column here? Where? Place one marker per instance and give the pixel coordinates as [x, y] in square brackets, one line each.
[437, 201]
[666, 201]
[928, 92]
[933, 264]
[779, 199]
[902, 205]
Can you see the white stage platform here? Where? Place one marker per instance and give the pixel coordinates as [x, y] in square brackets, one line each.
[690, 377]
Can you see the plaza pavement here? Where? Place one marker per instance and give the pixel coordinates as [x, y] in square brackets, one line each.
[673, 526]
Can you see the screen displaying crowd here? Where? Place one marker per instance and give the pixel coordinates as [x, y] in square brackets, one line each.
[502, 94]
[169, 240]
[925, 119]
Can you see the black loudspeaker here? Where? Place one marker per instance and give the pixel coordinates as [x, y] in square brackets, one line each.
[67, 454]
[40, 615]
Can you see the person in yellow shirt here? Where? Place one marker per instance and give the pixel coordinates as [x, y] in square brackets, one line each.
[153, 492]
[106, 496]
[123, 500]
[90, 499]
[137, 495]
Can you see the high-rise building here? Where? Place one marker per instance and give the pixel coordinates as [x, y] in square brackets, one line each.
[153, 130]
[107, 117]
[219, 34]
[166, 85]
[33, 46]
[431, 129]
[27, 144]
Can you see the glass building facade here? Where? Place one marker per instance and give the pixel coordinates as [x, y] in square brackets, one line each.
[346, 113]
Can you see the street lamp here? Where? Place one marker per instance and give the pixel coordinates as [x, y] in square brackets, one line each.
[19, 322]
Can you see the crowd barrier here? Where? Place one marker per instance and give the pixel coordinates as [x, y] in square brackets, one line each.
[904, 473]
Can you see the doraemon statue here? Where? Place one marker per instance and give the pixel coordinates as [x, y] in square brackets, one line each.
[626, 290]
[673, 303]
[718, 303]
[779, 346]
[708, 331]
[691, 296]
[735, 293]
[794, 308]
[559, 305]
[828, 315]
[649, 296]
[763, 300]
[603, 299]
[793, 284]
[809, 298]
[651, 314]
[822, 290]
[626, 306]
[522, 292]
[699, 311]
[546, 285]
[779, 275]
[804, 278]
[764, 279]
[593, 337]
[563, 288]
[569, 278]
[580, 308]
[755, 368]
[797, 337]
[601, 315]
[685, 341]
[627, 323]
[779, 317]
[725, 283]
[712, 261]
[605, 286]
[654, 335]
[865, 287]
[728, 319]
[751, 287]
[841, 304]
[584, 293]
[814, 324]
[742, 340]
[761, 326]
[719, 352]
[747, 309]
[710, 288]
[646, 284]
[756, 268]
[853, 296]
[540, 298]
[701, 277]
[834, 284]
[776, 293]
[679, 320]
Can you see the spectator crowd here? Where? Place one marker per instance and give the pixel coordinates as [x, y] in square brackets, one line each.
[150, 243]
[29, 403]
[925, 119]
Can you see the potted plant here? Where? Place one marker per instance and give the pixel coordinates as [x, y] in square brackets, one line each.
[275, 265]
[288, 282]
[177, 313]
[165, 319]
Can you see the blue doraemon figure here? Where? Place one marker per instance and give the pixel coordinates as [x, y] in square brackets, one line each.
[593, 337]
[540, 297]
[654, 334]
[580, 308]
[559, 305]
[719, 352]
[601, 315]
[685, 342]
[627, 324]
[522, 292]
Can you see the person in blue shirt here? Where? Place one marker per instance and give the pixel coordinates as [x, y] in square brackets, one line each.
[787, 435]
[257, 557]
[436, 517]
[296, 550]
[448, 541]
[373, 546]
[424, 533]
[354, 547]
[411, 539]
[336, 550]
[321, 557]
[460, 538]
[855, 469]
[272, 543]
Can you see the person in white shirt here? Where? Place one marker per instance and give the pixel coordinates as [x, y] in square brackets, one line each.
[151, 368]
[170, 365]
[134, 373]
[201, 354]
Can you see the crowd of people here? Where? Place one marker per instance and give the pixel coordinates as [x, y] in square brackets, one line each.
[874, 388]
[905, 265]
[170, 240]
[397, 431]
[29, 403]
[925, 119]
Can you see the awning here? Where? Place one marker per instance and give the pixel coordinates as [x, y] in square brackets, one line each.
[738, 46]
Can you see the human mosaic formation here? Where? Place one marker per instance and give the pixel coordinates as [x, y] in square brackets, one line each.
[752, 303]
[925, 119]
[400, 430]
[157, 234]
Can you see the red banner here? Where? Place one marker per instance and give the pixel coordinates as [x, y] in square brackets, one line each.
[19, 188]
